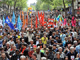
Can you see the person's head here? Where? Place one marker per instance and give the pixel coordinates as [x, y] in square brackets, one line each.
[22, 57]
[44, 36]
[66, 58]
[66, 38]
[50, 37]
[7, 44]
[37, 38]
[57, 32]
[58, 54]
[38, 49]
[11, 38]
[75, 38]
[31, 42]
[12, 44]
[72, 30]
[43, 58]
[55, 42]
[14, 34]
[44, 46]
[57, 37]
[60, 49]
[18, 41]
[14, 48]
[71, 49]
[34, 56]
[3, 55]
[24, 45]
[23, 41]
[71, 34]
[4, 41]
[17, 52]
[22, 35]
[69, 38]
[53, 33]
[75, 43]
[4, 34]
[40, 41]
[0, 30]
[54, 46]
[69, 45]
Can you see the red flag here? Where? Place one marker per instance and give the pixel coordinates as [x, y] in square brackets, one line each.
[73, 21]
[40, 19]
[65, 22]
[36, 24]
[43, 20]
[39, 15]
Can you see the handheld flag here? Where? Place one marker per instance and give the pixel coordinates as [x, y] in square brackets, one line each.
[19, 23]
[65, 22]
[24, 22]
[36, 22]
[13, 19]
[9, 23]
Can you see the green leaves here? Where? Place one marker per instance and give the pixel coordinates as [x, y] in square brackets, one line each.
[57, 3]
[18, 3]
[40, 5]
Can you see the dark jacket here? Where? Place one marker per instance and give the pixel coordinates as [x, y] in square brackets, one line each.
[15, 57]
[58, 59]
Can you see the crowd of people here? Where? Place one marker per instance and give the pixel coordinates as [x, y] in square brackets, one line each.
[42, 43]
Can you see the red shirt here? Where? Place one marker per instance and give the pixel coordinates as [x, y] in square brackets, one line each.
[22, 50]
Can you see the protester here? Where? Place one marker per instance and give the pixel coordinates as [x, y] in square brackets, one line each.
[46, 38]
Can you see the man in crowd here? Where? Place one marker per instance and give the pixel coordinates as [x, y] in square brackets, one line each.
[41, 43]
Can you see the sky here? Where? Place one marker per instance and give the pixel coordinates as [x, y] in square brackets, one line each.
[31, 1]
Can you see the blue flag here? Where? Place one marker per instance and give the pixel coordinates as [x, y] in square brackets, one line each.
[9, 23]
[19, 23]
[13, 19]
[3, 21]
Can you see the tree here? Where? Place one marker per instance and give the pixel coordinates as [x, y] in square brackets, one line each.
[40, 5]
[39, 2]
[20, 4]
[33, 7]
[57, 3]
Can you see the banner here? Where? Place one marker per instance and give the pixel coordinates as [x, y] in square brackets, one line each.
[50, 20]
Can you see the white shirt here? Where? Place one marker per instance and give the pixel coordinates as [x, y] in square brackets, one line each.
[37, 42]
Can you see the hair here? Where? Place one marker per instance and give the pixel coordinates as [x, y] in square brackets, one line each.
[57, 53]
[66, 57]
[43, 58]
[22, 56]
[60, 48]
[71, 47]
[35, 55]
